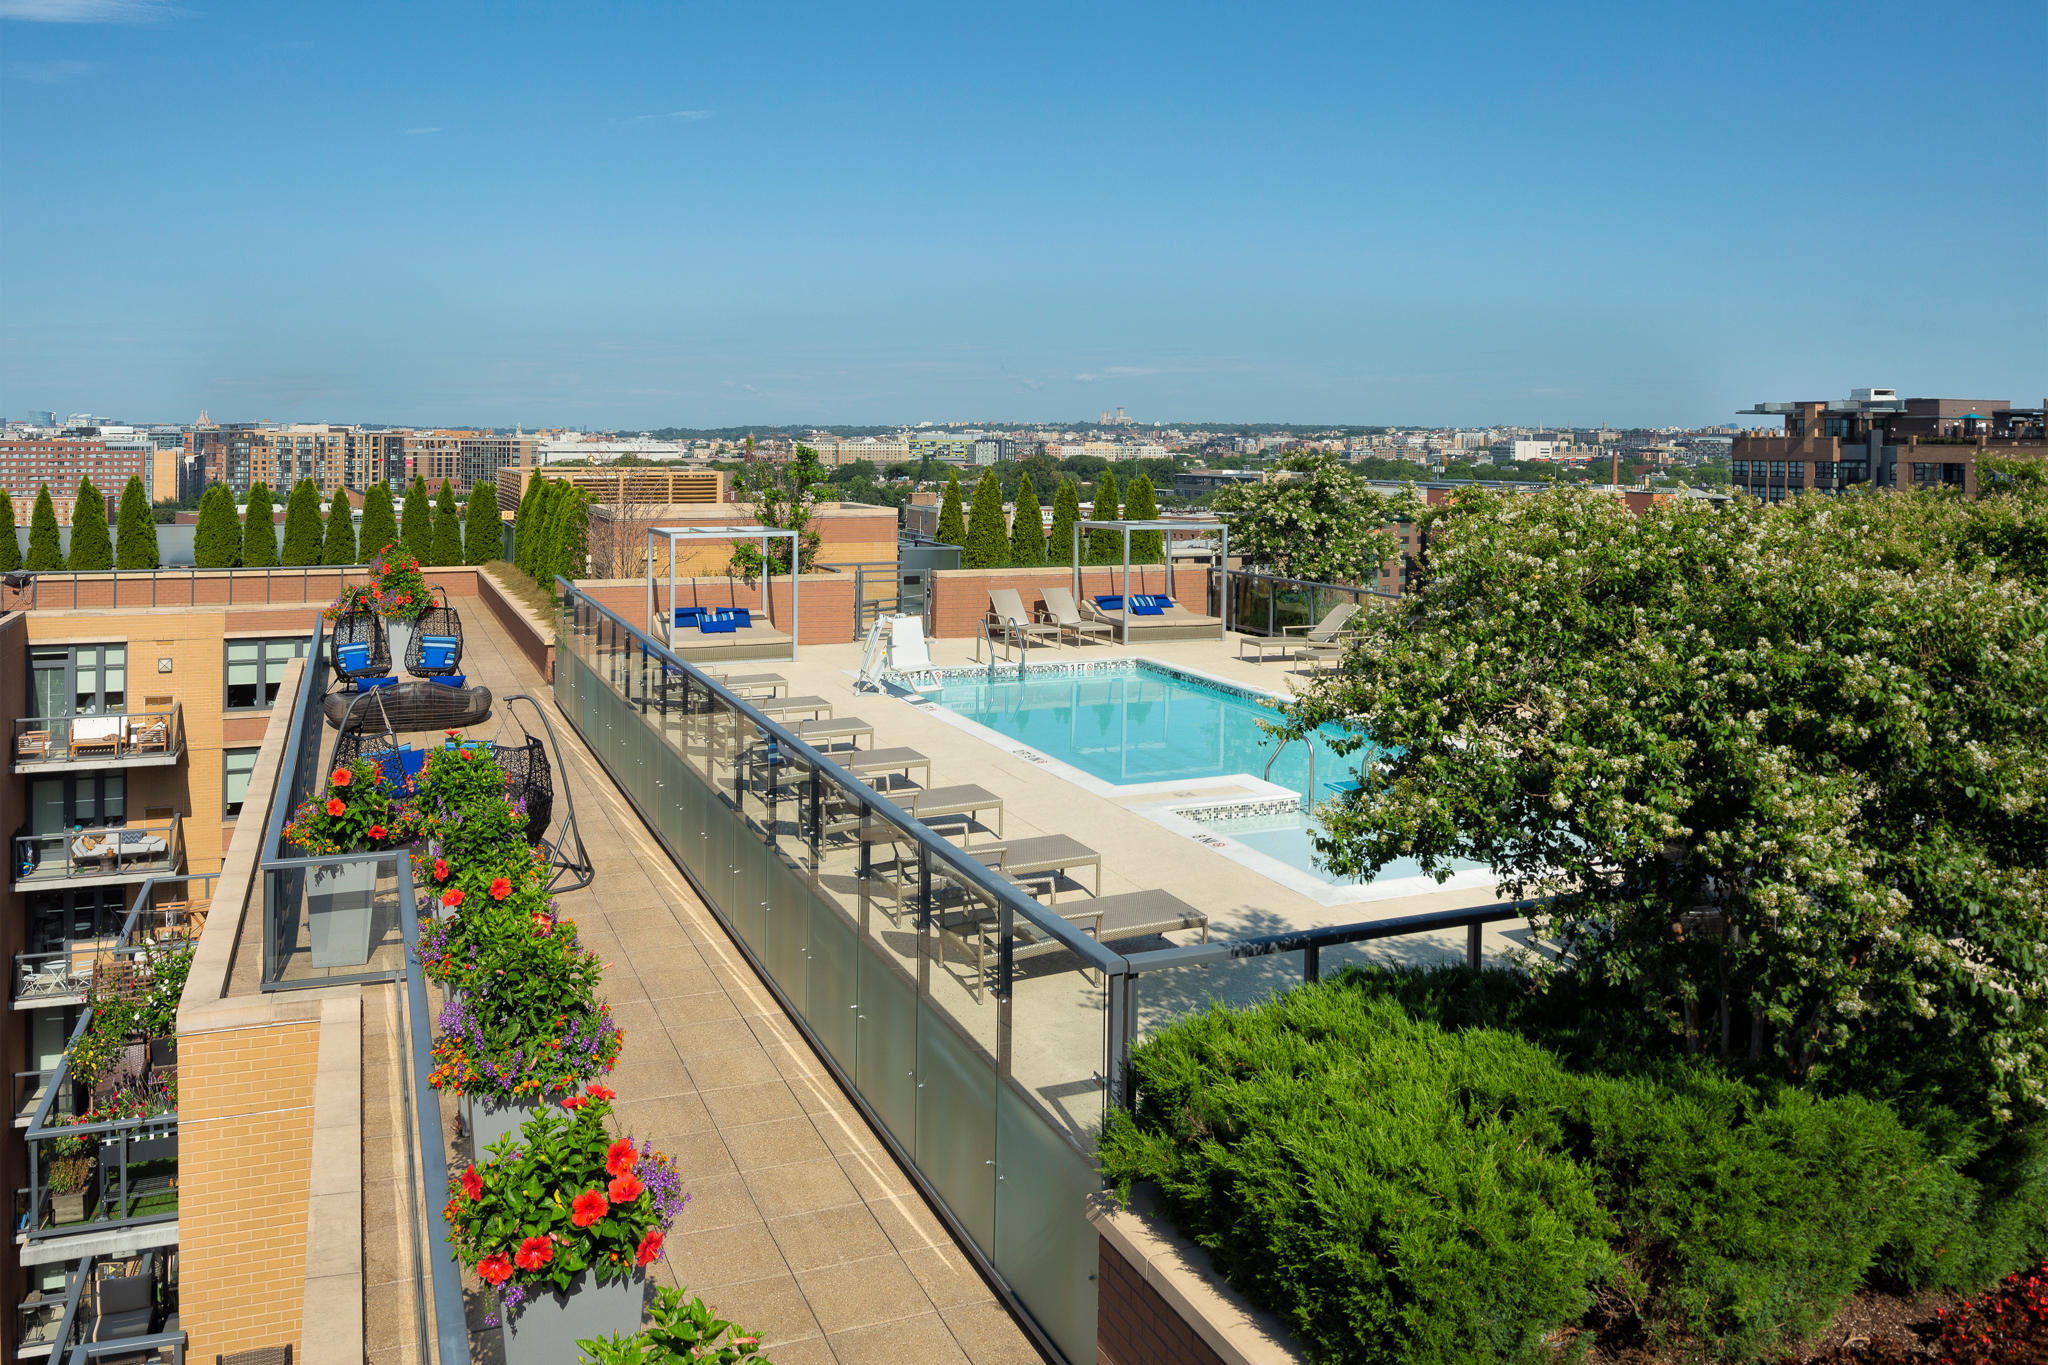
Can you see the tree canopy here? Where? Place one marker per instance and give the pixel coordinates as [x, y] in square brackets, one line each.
[91, 548]
[10, 543]
[1782, 771]
[1105, 547]
[447, 527]
[302, 536]
[259, 529]
[782, 494]
[135, 545]
[1319, 521]
[217, 539]
[338, 544]
[45, 545]
[380, 521]
[482, 528]
[1066, 510]
[1147, 547]
[416, 522]
[988, 539]
[952, 522]
[1027, 527]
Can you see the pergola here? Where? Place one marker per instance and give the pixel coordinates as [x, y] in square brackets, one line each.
[765, 534]
[1169, 528]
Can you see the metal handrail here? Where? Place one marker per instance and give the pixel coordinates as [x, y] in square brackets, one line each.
[123, 740]
[76, 864]
[190, 574]
[959, 867]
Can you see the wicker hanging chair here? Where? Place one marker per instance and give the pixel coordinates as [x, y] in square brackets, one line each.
[356, 629]
[526, 761]
[436, 647]
[409, 706]
[532, 782]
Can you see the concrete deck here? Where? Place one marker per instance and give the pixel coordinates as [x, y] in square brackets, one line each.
[800, 1225]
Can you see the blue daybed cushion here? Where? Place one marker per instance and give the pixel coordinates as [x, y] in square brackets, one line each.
[687, 616]
[1150, 604]
[726, 620]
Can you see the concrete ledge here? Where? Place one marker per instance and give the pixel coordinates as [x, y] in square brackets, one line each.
[534, 637]
[333, 1330]
[1179, 1273]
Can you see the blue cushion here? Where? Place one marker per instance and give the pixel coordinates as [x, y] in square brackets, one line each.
[437, 656]
[1157, 599]
[352, 657]
[405, 764]
[444, 641]
[714, 626]
[365, 684]
[743, 615]
[1144, 606]
[687, 616]
[1110, 601]
[452, 680]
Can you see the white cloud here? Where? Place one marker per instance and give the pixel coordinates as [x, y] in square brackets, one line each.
[1128, 372]
[86, 11]
[418, 132]
[690, 115]
[49, 73]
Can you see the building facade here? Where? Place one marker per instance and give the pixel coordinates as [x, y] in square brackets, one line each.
[1875, 438]
[60, 462]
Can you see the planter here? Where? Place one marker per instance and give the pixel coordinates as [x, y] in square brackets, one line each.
[339, 900]
[73, 1207]
[491, 1119]
[546, 1330]
[399, 633]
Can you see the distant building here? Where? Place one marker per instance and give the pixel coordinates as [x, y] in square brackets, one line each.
[660, 486]
[59, 461]
[1535, 450]
[1194, 483]
[1875, 437]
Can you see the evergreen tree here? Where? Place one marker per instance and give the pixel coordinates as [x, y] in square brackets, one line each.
[549, 524]
[45, 547]
[338, 547]
[380, 522]
[569, 554]
[483, 530]
[447, 527]
[1027, 526]
[416, 523]
[952, 526]
[10, 543]
[259, 529]
[523, 519]
[91, 549]
[988, 540]
[1066, 510]
[529, 541]
[1105, 547]
[217, 541]
[136, 547]
[302, 525]
[1147, 547]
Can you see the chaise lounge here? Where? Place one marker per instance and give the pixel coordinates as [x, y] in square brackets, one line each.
[1151, 616]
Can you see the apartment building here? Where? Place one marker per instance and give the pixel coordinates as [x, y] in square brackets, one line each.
[1874, 437]
[243, 454]
[638, 485]
[464, 458]
[60, 462]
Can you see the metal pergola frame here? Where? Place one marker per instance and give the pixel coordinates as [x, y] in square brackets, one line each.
[1166, 545]
[765, 534]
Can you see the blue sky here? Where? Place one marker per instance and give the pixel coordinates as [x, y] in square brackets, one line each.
[629, 215]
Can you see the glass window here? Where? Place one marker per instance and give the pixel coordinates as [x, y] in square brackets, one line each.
[1923, 474]
[1739, 469]
[256, 670]
[1795, 470]
[81, 680]
[236, 765]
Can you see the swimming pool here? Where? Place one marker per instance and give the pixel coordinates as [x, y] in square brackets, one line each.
[1133, 724]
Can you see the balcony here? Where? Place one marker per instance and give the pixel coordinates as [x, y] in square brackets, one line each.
[102, 856]
[112, 1309]
[152, 738]
[50, 977]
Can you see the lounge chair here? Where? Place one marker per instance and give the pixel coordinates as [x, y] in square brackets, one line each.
[1042, 857]
[872, 763]
[942, 803]
[819, 733]
[32, 745]
[1303, 640]
[1061, 611]
[1009, 620]
[151, 736]
[1136, 914]
[779, 707]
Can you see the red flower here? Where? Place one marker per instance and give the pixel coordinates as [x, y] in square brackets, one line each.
[586, 1208]
[574, 1102]
[452, 897]
[494, 1268]
[451, 733]
[650, 1247]
[624, 1189]
[472, 1183]
[542, 926]
[501, 887]
[376, 831]
[602, 1092]
[342, 777]
[534, 1253]
[334, 806]
[440, 869]
[621, 1158]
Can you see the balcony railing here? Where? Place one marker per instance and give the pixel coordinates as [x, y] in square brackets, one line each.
[127, 739]
[82, 1336]
[102, 854]
[57, 978]
[131, 1179]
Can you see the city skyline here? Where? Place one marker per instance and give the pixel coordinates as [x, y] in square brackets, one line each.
[646, 218]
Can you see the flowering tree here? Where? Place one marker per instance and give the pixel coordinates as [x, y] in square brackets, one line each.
[1319, 521]
[1781, 771]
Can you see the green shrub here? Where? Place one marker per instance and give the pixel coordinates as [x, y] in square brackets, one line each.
[259, 529]
[447, 527]
[92, 549]
[952, 524]
[483, 530]
[302, 537]
[338, 542]
[380, 522]
[136, 545]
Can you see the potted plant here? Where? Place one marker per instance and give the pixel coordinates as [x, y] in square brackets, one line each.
[397, 591]
[356, 814]
[471, 833]
[562, 1224]
[679, 1331]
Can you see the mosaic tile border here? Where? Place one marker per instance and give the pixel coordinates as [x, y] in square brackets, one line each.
[1223, 812]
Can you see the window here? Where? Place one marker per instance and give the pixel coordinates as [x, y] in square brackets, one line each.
[1924, 474]
[1952, 474]
[1777, 469]
[79, 680]
[87, 800]
[236, 765]
[256, 669]
[1837, 426]
[1739, 469]
[1796, 471]
[1824, 471]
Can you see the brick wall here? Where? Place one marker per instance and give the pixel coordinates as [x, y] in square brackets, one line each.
[534, 640]
[214, 588]
[245, 1146]
[960, 596]
[1134, 1325]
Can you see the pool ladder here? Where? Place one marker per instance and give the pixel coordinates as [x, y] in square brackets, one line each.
[1308, 801]
[981, 629]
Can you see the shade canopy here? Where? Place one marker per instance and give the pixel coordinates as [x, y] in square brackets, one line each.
[665, 627]
[1168, 528]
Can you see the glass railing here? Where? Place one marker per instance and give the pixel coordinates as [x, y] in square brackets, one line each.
[1267, 604]
[43, 1314]
[81, 741]
[103, 853]
[921, 975]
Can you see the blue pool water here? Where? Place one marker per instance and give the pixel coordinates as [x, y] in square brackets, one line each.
[1151, 724]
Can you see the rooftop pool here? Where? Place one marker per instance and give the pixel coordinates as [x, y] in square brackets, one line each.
[1134, 723]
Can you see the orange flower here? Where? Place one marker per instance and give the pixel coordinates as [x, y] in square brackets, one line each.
[334, 806]
[587, 1207]
[650, 1247]
[494, 1268]
[440, 869]
[574, 1102]
[621, 1158]
[501, 887]
[534, 1253]
[624, 1189]
[376, 831]
[472, 1183]
[452, 897]
[541, 925]
[342, 777]
[603, 1092]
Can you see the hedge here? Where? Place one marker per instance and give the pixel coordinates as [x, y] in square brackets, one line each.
[1400, 1183]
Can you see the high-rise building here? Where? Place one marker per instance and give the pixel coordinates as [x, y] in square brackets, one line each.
[1876, 437]
[60, 462]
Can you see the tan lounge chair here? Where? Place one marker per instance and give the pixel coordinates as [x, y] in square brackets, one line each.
[1061, 611]
[1304, 641]
[1136, 914]
[1008, 619]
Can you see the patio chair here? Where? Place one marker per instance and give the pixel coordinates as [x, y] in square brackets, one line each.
[126, 1307]
[150, 736]
[358, 648]
[1007, 614]
[1304, 640]
[32, 744]
[1061, 611]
